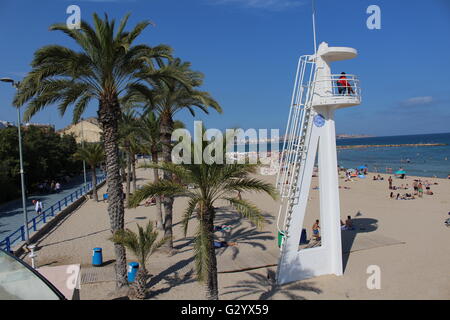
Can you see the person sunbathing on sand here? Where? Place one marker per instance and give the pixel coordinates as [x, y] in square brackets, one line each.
[315, 230]
[150, 202]
[223, 244]
[408, 196]
[349, 223]
[222, 227]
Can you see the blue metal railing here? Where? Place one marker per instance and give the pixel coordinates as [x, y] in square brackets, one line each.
[40, 220]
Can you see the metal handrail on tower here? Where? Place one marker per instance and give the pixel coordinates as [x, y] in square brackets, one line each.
[296, 140]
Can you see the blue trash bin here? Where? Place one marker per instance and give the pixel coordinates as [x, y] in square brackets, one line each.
[132, 271]
[303, 237]
[97, 257]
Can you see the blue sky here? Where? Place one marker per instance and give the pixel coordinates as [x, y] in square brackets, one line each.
[248, 50]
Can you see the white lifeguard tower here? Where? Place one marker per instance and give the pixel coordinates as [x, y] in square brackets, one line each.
[311, 129]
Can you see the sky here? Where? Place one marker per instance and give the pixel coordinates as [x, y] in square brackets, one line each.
[248, 52]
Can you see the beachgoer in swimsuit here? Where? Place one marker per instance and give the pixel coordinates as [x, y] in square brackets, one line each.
[420, 189]
[222, 227]
[315, 230]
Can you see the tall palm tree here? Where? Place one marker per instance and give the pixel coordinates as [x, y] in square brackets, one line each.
[102, 69]
[128, 136]
[93, 154]
[136, 148]
[151, 143]
[214, 182]
[167, 97]
[142, 244]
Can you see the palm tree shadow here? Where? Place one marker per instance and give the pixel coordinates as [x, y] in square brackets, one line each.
[243, 235]
[172, 277]
[223, 215]
[266, 287]
[173, 281]
[187, 242]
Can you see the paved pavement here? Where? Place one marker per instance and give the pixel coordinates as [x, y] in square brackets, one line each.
[11, 213]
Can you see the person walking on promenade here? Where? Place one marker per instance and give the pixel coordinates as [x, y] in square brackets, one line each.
[57, 187]
[37, 206]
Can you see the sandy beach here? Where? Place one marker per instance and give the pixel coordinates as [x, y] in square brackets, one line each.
[407, 239]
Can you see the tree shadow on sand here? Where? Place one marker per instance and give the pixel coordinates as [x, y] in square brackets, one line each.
[266, 287]
[173, 276]
[227, 215]
[243, 235]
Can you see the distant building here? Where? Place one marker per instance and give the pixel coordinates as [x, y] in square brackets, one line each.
[5, 124]
[25, 126]
[45, 126]
[88, 130]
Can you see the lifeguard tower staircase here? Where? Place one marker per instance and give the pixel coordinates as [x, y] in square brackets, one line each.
[311, 129]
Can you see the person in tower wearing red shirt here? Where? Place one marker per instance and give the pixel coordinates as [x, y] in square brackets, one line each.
[343, 85]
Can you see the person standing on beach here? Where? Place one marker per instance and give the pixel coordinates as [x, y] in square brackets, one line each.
[420, 189]
[390, 183]
[416, 189]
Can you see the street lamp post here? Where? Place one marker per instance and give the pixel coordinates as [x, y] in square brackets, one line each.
[16, 84]
[82, 145]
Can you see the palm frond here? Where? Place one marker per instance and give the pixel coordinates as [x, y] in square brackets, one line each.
[192, 205]
[160, 188]
[250, 184]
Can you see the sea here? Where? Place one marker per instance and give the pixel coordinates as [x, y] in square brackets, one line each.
[424, 161]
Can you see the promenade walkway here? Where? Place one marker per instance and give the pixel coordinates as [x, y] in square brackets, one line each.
[11, 213]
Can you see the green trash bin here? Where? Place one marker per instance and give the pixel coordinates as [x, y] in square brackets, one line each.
[280, 238]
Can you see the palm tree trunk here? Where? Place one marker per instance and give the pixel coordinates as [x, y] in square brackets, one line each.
[140, 284]
[128, 185]
[94, 184]
[158, 198]
[109, 112]
[166, 126]
[211, 281]
[133, 163]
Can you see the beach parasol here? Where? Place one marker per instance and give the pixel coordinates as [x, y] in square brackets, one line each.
[401, 172]
[362, 167]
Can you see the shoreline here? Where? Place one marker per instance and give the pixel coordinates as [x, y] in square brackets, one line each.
[392, 145]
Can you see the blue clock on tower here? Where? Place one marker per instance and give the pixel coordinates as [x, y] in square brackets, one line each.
[319, 120]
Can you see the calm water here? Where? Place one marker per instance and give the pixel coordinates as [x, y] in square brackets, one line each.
[424, 161]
